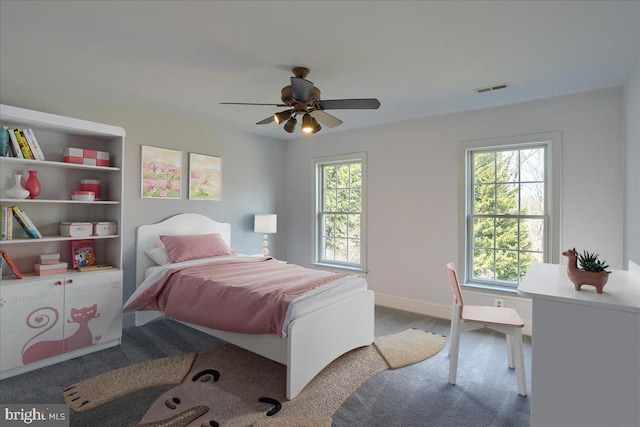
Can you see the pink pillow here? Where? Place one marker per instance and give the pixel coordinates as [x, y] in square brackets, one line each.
[186, 247]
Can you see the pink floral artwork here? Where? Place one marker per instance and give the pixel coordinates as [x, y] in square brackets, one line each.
[161, 173]
[205, 177]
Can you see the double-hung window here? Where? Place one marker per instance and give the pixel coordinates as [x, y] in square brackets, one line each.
[511, 200]
[340, 211]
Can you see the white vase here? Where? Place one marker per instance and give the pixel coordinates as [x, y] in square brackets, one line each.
[17, 191]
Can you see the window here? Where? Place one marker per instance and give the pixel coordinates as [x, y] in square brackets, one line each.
[340, 219]
[511, 207]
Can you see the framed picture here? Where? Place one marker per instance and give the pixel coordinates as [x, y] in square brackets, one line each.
[205, 177]
[161, 173]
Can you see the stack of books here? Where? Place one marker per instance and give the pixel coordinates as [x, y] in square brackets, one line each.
[20, 143]
[50, 264]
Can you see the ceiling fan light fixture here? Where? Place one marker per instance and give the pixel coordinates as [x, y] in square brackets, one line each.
[290, 125]
[316, 126]
[282, 116]
[307, 123]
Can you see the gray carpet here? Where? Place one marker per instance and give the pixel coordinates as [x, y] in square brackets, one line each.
[417, 395]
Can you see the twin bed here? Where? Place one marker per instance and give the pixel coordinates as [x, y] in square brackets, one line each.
[336, 316]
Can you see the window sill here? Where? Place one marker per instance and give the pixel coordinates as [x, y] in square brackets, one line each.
[340, 269]
[490, 289]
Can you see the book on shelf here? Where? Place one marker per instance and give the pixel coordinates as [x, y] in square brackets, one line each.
[17, 151]
[24, 145]
[4, 235]
[95, 268]
[3, 219]
[49, 269]
[49, 259]
[7, 223]
[26, 223]
[83, 253]
[9, 261]
[33, 143]
[5, 150]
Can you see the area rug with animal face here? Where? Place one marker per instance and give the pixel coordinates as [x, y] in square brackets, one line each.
[230, 386]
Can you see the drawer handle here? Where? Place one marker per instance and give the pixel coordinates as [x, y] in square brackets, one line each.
[58, 283]
[70, 281]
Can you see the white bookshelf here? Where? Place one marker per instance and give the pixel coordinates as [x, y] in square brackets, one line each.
[73, 290]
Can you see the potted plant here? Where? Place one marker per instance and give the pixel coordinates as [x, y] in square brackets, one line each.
[593, 271]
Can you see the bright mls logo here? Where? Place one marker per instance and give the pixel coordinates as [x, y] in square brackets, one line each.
[35, 415]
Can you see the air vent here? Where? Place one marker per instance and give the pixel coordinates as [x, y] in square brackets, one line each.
[491, 88]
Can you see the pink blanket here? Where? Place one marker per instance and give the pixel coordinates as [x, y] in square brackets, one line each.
[247, 297]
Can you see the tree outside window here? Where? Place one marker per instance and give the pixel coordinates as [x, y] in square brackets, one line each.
[507, 219]
[340, 212]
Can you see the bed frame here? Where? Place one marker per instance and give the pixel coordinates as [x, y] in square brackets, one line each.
[313, 341]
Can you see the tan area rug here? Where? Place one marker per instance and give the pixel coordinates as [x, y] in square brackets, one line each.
[227, 385]
[408, 347]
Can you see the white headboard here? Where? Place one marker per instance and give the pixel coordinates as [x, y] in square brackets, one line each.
[148, 236]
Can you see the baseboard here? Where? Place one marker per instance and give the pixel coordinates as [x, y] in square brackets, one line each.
[128, 319]
[421, 307]
[427, 308]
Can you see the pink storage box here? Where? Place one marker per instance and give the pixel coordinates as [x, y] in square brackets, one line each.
[85, 157]
[102, 158]
[72, 155]
[76, 229]
[46, 270]
[105, 228]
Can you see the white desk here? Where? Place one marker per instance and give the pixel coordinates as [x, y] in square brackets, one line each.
[585, 349]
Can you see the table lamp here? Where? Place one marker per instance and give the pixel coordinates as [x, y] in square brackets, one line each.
[265, 224]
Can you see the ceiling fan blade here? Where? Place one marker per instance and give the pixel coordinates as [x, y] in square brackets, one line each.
[325, 118]
[301, 89]
[266, 121]
[349, 104]
[253, 103]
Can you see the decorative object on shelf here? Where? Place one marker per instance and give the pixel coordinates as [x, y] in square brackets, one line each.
[91, 185]
[205, 177]
[592, 273]
[33, 184]
[85, 157]
[105, 228]
[265, 224]
[76, 229]
[87, 196]
[161, 173]
[17, 191]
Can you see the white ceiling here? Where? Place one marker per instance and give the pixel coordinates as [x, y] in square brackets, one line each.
[419, 58]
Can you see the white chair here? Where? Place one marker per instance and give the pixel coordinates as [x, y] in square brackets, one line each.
[466, 318]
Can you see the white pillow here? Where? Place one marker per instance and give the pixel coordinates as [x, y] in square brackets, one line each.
[158, 255]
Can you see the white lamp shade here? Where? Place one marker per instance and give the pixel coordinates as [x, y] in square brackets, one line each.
[265, 223]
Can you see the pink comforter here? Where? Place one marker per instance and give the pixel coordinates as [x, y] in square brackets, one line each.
[248, 297]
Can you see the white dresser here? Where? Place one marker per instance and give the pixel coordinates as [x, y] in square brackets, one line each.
[585, 351]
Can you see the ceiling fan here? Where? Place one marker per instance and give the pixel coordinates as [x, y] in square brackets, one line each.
[303, 98]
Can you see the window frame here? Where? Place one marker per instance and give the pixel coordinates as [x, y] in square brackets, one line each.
[319, 164]
[552, 141]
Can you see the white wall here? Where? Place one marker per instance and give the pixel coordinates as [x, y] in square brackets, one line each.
[253, 177]
[632, 169]
[413, 170]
